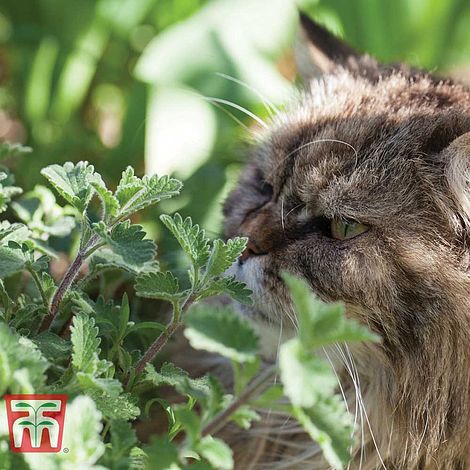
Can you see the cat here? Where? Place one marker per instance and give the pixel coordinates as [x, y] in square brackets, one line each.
[362, 187]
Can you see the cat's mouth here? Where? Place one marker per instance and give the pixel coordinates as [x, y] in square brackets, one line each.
[268, 305]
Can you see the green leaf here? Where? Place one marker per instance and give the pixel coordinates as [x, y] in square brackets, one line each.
[158, 285]
[10, 150]
[127, 241]
[162, 455]
[190, 237]
[72, 182]
[105, 259]
[223, 255]
[12, 260]
[108, 201]
[26, 423]
[39, 210]
[330, 425]
[306, 377]
[22, 366]
[85, 344]
[216, 452]
[321, 323]
[46, 423]
[227, 285]
[244, 416]
[7, 192]
[108, 396]
[135, 194]
[222, 331]
[123, 438]
[189, 420]
[179, 379]
[18, 233]
[53, 347]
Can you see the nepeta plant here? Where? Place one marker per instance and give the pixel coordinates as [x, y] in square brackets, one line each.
[55, 337]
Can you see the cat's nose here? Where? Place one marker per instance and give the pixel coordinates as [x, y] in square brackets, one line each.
[263, 233]
[249, 251]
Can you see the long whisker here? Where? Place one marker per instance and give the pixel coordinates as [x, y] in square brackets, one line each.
[270, 107]
[365, 411]
[237, 106]
[231, 115]
[282, 215]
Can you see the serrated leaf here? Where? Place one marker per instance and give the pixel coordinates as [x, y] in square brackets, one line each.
[39, 210]
[22, 366]
[128, 242]
[7, 191]
[114, 407]
[85, 344]
[190, 237]
[12, 260]
[53, 347]
[321, 323]
[108, 200]
[162, 455]
[306, 378]
[222, 331]
[228, 285]
[216, 452]
[135, 194]
[123, 438]
[94, 385]
[179, 379]
[16, 232]
[72, 182]
[223, 255]
[105, 259]
[331, 426]
[158, 285]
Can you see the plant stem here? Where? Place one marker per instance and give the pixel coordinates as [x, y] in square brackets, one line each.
[257, 385]
[37, 281]
[156, 346]
[160, 342]
[65, 284]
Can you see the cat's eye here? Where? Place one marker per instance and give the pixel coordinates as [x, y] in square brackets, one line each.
[344, 229]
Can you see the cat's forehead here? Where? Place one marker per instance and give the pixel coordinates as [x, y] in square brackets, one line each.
[345, 122]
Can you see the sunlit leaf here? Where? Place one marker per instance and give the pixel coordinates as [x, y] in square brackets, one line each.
[222, 331]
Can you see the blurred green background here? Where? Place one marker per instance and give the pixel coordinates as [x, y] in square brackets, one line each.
[119, 82]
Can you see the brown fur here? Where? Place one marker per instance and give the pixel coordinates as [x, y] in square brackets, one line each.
[390, 148]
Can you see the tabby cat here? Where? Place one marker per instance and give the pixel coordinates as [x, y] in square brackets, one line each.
[362, 187]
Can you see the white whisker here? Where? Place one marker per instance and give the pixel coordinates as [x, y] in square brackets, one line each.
[365, 411]
[282, 215]
[231, 115]
[237, 106]
[270, 107]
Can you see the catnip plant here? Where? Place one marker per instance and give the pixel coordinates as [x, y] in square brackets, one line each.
[56, 337]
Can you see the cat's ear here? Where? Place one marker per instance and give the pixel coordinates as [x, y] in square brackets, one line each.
[318, 51]
[457, 167]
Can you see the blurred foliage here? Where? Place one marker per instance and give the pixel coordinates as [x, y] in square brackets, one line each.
[121, 82]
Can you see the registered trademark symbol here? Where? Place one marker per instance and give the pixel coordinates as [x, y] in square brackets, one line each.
[65, 451]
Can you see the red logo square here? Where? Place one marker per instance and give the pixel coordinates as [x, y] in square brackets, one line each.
[36, 422]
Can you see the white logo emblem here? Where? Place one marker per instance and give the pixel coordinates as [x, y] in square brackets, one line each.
[36, 422]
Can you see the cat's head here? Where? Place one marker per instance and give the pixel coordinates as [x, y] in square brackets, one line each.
[362, 188]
